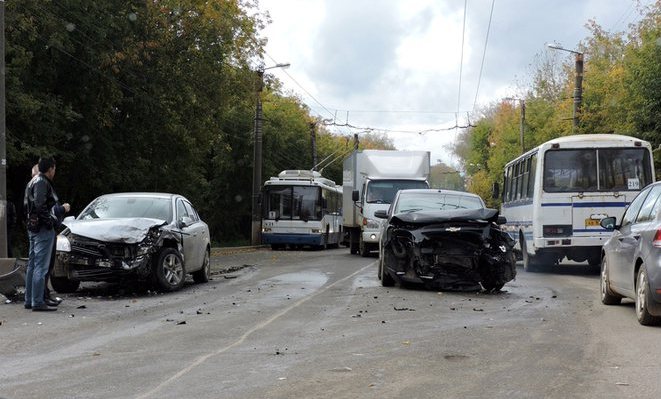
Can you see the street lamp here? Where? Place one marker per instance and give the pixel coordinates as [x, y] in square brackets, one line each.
[256, 225]
[578, 83]
[523, 119]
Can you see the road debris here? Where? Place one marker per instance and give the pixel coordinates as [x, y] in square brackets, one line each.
[403, 309]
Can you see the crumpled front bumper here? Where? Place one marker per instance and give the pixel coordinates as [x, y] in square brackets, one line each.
[451, 258]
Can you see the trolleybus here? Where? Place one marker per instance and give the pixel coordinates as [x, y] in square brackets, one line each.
[301, 207]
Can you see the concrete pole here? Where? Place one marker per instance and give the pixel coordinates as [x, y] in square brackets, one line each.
[523, 122]
[3, 139]
[313, 143]
[256, 230]
[578, 91]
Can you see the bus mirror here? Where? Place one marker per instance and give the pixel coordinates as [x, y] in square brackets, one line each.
[355, 196]
[495, 191]
[608, 223]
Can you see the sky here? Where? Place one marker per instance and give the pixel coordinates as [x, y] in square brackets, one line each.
[399, 66]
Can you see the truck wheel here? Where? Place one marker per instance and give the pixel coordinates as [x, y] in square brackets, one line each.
[362, 247]
[63, 285]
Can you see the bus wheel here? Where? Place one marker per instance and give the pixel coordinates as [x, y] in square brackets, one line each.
[532, 263]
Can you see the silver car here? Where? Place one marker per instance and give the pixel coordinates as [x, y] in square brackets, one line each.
[154, 238]
[631, 261]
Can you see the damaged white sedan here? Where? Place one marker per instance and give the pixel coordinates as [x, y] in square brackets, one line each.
[154, 238]
[445, 239]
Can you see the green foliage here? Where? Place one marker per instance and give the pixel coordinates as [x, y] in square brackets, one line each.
[446, 177]
[621, 94]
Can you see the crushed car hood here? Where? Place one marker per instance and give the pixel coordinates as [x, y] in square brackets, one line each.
[455, 215]
[128, 231]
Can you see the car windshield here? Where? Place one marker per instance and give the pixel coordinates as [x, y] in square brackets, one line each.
[435, 201]
[128, 207]
[384, 191]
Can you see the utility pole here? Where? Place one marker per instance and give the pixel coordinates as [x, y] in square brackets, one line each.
[256, 218]
[3, 139]
[522, 103]
[313, 142]
[578, 85]
[578, 91]
[523, 122]
[355, 141]
[256, 214]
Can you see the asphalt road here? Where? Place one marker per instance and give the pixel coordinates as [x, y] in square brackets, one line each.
[317, 324]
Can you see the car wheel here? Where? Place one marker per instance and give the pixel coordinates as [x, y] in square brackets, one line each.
[169, 272]
[384, 276]
[643, 298]
[63, 285]
[607, 296]
[202, 275]
[362, 248]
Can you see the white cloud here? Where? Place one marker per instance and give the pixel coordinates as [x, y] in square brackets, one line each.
[388, 55]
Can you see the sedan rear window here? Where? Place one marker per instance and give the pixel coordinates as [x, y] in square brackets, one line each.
[128, 207]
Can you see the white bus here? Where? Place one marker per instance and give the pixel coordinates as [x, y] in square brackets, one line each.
[300, 207]
[555, 195]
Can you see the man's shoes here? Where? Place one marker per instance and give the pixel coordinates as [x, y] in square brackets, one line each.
[27, 306]
[43, 308]
[51, 302]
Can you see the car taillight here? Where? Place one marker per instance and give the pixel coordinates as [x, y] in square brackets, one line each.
[657, 239]
[364, 221]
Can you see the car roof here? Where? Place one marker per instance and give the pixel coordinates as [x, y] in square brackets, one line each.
[142, 194]
[438, 190]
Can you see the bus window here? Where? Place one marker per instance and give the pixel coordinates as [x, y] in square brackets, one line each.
[306, 200]
[531, 178]
[622, 169]
[278, 203]
[570, 170]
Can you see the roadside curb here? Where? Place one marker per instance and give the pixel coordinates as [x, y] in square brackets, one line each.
[220, 251]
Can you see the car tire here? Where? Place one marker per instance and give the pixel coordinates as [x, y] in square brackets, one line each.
[643, 298]
[64, 285]
[384, 276]
[608, 297]
[169, 272]
[202, 275]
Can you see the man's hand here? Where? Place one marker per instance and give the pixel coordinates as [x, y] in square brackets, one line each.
[66, 207]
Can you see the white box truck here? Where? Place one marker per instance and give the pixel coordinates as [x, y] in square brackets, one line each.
[370, 180]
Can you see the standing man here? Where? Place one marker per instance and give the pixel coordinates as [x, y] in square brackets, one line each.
[40, 197]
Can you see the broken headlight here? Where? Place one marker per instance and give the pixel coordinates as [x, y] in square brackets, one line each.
[63, 244]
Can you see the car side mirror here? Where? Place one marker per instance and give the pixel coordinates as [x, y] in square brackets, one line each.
[355, 195]
[381, 214]
[185, 221]
[608, 223]
[501, 220]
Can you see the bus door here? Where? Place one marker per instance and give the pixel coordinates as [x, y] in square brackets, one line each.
[588, 210]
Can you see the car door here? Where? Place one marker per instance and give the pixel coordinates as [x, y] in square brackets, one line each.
[624, 243]
[199, 233]
[188, 237]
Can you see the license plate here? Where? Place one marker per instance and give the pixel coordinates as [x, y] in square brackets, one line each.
[592, 223]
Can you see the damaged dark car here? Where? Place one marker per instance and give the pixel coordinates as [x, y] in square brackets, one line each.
[152, 238]
[447, 240]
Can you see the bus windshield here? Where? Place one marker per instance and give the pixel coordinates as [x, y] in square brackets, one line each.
[602, 169]
[292, 202]
[383, 191]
